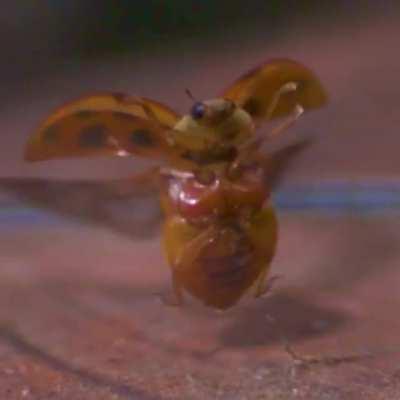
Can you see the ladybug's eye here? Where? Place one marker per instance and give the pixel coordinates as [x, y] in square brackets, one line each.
[198, 110]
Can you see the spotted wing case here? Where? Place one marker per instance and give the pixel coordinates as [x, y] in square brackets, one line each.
[105, 124]
[254, 90]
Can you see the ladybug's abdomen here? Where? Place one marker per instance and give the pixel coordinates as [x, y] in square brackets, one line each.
[228, 259]
[224, 268]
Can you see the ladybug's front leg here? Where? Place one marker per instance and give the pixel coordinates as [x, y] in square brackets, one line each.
[175, 297]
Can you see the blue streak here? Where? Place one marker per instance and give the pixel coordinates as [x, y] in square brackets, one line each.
[326, 198]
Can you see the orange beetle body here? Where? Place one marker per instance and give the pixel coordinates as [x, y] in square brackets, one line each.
[219, 236]
[220, 230]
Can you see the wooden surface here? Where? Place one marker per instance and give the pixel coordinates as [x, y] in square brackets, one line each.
[82, 317]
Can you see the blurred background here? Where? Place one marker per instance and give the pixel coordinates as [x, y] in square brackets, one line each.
[79, 314]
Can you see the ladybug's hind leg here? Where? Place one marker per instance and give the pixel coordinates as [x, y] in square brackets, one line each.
[174, 297]
[265, 285]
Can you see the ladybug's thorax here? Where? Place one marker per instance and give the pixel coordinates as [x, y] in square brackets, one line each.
[213, 128]
[207, 195]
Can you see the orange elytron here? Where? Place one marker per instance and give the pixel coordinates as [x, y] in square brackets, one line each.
[220, 229]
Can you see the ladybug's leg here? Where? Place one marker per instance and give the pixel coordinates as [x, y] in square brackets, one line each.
[175, 297]
[177, 290]
[249, 149]
[261, 284]
[264, 285]
[262, 229]
[192, 248]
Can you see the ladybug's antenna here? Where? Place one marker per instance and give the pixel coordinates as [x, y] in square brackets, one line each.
[190, 95]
